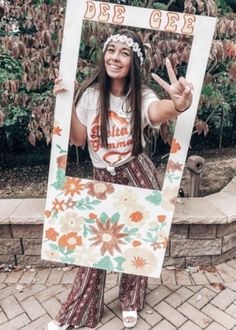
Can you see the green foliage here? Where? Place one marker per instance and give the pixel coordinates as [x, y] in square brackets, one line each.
[31, 37]
[10, 68]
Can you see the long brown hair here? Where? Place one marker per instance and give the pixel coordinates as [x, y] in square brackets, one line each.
[132, 89]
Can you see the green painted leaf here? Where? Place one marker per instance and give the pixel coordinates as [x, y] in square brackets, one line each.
[60, 179]
[155, 198]
[61, 151]
[119, 261]
[53, 246]
[88, 220]
[103, 217]
[86, 231]
[115, 217]
[133, 231]
[67, 260]
[104, 263]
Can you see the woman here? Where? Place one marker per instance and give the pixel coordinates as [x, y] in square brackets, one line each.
[111, 110]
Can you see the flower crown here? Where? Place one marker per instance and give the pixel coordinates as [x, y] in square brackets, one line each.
[129, 42]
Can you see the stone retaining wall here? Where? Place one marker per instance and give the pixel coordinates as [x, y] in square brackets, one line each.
[189, 245]
[203, 230]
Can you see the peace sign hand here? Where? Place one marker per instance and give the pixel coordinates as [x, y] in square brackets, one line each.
[180, 91]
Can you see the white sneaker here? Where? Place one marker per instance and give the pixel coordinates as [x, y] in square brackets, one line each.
[129, 318]
[53, 326]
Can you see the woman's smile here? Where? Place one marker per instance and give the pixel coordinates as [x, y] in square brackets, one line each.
[117, 60]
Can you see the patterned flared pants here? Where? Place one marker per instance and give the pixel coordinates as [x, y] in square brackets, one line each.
[85, 303]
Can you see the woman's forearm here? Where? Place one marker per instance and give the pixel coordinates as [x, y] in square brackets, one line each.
[78, 132]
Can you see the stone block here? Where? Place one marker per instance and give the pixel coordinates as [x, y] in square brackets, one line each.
[30, 211]
[228, 255]
[191, 247]
[5, 231]
[27, 231]
[8, 259]
[32, 247]
[7, 206]
[225, 229]
[198, 210]
[179, 231]
[229, 242]
[230, 188]
[218, 201]
[10, 246]
[198, 261]
[36, 261]
[202, 231]
[174, 262]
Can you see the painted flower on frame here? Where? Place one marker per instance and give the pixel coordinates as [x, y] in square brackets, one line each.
[70, 203]
[52, 254]
[99, 189]
[70, 221]
[139, 261]
[169, 198]
[137, 216]
[72, 186]
[58, 205]
[61, 161]
[51, 234]
[125, 199]
[87, 256]
[108, 235]
[70, 241]
[162, 241]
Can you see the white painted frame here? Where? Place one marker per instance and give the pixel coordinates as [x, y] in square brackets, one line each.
[144, 248]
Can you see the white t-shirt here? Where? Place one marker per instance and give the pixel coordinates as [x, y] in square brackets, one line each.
[119, 131]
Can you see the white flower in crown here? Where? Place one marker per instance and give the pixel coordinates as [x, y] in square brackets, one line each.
[136, 47]
[123, 39]
[129, 42]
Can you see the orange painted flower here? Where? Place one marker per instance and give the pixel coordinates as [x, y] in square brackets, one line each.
[70, 241]
[92, 216]
[73, 186]
[175, 147]
[58, 205]
[70, 203]
[173, 166]
[47, 213]
[136, 243]
[57, 130]
[161, 218]
[99, 189]
[136, 216]
[51, 234]
[61, 161]
[139, 262]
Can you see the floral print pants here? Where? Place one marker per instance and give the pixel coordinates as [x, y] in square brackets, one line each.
[85, 303]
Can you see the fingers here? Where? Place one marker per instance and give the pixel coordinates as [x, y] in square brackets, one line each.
[186, 86]
[170, 71]
[58, 88]
[161, 82]
[57, 80]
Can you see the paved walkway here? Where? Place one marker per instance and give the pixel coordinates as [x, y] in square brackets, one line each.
[190, 299]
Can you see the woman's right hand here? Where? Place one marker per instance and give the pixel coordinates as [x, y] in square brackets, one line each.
[58, 88]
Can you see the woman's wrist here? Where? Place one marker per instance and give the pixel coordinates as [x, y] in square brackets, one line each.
[180, 111]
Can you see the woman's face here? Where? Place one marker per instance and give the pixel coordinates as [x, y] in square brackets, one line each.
[117, 60]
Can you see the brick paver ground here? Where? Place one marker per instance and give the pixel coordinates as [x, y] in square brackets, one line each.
[181, 299]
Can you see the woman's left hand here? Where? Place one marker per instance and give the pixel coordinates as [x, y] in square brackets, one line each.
[180, 91]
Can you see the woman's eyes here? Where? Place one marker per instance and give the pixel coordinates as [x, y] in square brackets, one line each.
[124, 52]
